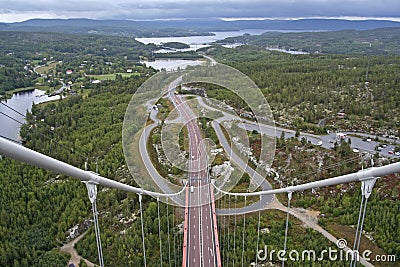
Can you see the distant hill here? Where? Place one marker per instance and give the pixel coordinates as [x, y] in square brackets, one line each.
[187, 27]
[102, 27]
[382, 41]
[307, 24]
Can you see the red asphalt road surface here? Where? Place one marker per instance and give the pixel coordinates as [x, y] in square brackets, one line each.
[201, 246]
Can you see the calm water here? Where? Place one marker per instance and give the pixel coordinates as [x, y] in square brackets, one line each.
[200, 41]
[171, 64]
[195, 42]
[21, 102]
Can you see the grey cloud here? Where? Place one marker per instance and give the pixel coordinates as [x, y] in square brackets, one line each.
[151, 9]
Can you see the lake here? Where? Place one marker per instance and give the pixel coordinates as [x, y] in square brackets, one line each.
[195, 42]
[20, 102]
[200, 41]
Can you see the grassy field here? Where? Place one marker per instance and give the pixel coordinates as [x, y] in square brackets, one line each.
[103, 77]
[46, 68]
[36, 61]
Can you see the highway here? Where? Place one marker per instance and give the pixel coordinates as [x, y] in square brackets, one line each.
[201, 247]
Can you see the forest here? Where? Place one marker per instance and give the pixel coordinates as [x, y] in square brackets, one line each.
[88, 129]
[304, 89]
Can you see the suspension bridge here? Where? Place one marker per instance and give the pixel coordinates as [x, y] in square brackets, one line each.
[200, 244]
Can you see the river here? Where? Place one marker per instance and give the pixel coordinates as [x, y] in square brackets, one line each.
[20, 102]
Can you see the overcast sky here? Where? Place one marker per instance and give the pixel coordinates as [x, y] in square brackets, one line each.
[19, 10]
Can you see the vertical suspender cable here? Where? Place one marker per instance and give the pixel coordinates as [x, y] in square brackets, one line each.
[97, 230]
[224, 247]
[159, 229]
[174, 233]
[141, 221]
[244, 230]
[234, 236]
[359, 218]
[366, 190]
[358, 227]
[169, 240]
[258, 233]
[92, 192]
[354, 258]
[286, 228]
[229, 224]
[362, 224]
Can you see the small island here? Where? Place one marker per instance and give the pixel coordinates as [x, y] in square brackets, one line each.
[175, 45]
